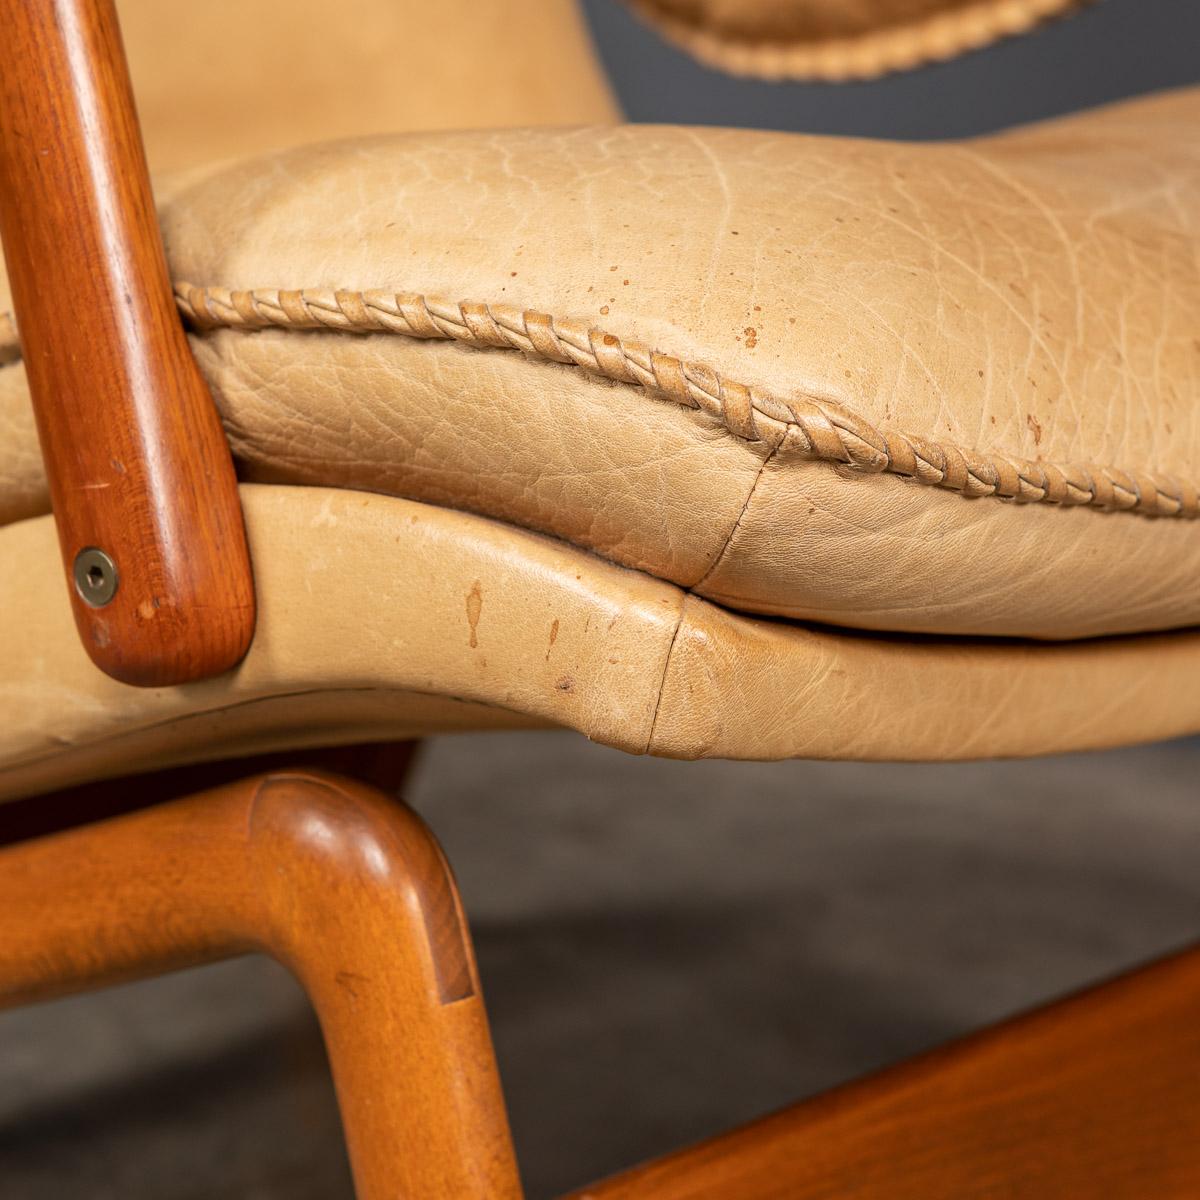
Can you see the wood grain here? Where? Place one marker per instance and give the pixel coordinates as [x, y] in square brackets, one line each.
[137, 461]
[345, 887]
[1096, 1096]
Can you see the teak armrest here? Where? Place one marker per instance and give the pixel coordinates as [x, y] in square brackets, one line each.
[140, 473]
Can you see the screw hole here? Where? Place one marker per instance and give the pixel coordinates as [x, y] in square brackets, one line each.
[95, 577]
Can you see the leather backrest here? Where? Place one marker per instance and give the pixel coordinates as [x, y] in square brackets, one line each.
[227, 78]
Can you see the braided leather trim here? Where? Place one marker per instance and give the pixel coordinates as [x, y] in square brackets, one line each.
[899, 48]
[823, 430]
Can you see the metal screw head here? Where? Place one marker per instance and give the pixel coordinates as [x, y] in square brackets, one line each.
[96, 577]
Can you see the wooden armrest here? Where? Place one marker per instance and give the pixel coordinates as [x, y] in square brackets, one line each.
[140, 473]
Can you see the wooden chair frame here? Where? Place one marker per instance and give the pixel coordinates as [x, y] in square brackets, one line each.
[140, 473]
[1094, 1096]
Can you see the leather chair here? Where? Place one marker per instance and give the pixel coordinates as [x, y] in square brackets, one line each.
[699, 442]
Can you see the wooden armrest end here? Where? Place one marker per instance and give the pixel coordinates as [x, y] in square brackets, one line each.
[140, 473]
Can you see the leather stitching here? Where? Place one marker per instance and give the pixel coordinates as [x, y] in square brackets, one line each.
[823, 430]
[720, 556]
[899, 47]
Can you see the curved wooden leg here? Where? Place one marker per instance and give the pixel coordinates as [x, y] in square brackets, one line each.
[347, 888]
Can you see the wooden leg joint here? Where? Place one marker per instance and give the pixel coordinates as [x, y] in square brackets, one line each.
[1095, 1095]
[345, 886]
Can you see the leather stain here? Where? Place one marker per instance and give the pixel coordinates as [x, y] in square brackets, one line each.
[474, 609]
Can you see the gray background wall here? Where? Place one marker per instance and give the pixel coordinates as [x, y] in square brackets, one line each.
[1114, 49]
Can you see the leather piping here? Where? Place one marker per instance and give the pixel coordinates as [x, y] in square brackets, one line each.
[827, 431]
[865, 56]
[822, 430]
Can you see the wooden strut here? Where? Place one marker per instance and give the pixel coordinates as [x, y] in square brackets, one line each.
[1096, 1095]
[140, 474]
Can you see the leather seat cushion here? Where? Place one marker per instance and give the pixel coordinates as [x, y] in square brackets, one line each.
[838, 39]
[947, 388]
[380, 619]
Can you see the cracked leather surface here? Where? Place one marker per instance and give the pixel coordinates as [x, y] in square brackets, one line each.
[1036, 293]
[381, 618]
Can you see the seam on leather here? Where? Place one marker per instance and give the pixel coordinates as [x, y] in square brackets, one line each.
[820, 430]
[662, 683]
[864, 56]
[720, 557]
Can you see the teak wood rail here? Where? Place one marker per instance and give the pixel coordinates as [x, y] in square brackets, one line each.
[348, 889]
[140, 472]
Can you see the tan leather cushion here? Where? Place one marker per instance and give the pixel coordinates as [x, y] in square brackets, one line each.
[839, 39]
[989, 317]
[381, 618]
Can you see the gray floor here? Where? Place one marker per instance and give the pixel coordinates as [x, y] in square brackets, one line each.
[666, 948]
